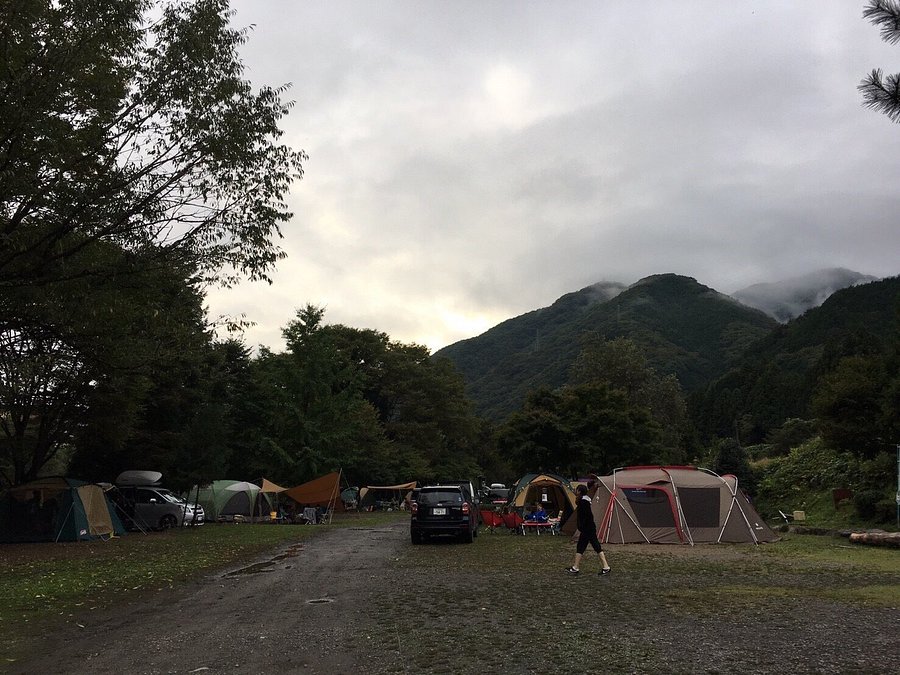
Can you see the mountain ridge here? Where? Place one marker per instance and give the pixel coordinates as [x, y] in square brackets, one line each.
[684, 327]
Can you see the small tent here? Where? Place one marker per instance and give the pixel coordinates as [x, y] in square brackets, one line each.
[675, 505]
[225, 499]
[322, 491]
[554, 492]
[57, 509]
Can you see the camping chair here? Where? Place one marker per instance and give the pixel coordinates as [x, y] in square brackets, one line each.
[513, 522]
[491, 519]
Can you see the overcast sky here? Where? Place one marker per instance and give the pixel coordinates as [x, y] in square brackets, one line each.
[472, 161]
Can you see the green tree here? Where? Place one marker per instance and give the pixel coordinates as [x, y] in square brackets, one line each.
[622, 365]
[131, 147]
[354, 399]
[82, 355]
[129, 122]
[853, 405]
[729, 457]
[577, 429]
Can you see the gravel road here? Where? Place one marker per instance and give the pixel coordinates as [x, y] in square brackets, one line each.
[293, 611]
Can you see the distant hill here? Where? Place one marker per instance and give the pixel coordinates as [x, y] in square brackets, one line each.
[777, 376]
[788, 299]
[684, 327]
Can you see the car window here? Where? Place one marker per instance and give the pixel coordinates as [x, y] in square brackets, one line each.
[143, 496]
[431, 497]
[171, 497]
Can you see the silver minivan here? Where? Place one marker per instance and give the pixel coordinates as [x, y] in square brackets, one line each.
[153, 507]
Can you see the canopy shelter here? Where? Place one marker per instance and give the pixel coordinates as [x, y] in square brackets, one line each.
[675, 505]
[225, 499]
[553, 492]
[269, 487]
[322, 491]
[370, 495]
[57, 509]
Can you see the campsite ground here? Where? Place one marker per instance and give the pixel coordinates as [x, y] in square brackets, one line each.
[364, 597]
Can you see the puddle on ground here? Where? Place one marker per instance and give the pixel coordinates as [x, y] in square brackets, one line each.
[265, 566]
[319, 601]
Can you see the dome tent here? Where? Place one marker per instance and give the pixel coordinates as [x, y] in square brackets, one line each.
[555, 492]
[675, 505]
[57, 509]
[224, 499]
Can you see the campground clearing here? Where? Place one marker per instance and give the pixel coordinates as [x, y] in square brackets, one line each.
[335, 598]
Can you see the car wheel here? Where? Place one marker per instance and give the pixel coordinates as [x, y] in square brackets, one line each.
[468, 537]
[416, 537]
[167, 522]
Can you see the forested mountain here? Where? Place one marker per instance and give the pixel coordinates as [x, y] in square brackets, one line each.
[685, 328]
[780, 375]
[788, 299]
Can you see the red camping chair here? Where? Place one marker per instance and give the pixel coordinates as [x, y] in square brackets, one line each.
[513, 521]
[491, 519]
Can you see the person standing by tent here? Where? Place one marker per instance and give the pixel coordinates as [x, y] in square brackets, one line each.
[587, 531]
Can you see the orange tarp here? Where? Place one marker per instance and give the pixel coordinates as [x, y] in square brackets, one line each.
[269, 486]
[322, 491]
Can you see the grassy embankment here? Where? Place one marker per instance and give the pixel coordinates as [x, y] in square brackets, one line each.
[45, 583]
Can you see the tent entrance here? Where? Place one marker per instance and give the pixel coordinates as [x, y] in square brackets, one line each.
[700, 506]
[651, 506]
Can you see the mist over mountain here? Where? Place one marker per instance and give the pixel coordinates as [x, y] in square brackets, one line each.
[788, 299]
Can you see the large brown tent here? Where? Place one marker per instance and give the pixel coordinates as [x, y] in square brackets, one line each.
[675, 505]
[322, 491]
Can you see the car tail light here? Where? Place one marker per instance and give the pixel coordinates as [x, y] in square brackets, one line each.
[414, 508]
[465, 508]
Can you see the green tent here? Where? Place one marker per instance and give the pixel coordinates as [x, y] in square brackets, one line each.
[224, 499]
[57, 509]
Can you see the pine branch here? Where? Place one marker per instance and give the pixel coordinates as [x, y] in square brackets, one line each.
[882, 93]
[886, 14]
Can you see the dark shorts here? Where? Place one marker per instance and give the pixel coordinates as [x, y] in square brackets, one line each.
[589, 537]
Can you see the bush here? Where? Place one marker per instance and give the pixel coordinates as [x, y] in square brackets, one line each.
[866, 503]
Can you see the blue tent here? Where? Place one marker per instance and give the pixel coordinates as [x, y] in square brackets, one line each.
[57, 509]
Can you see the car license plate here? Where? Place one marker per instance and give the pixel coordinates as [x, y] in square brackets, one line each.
[439, 511]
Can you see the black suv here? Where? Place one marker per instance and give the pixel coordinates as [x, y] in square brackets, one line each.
[443, 509]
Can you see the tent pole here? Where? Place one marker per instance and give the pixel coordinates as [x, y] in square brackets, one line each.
[65, 520]
[337, 491]
[681, 519]
[743, 515]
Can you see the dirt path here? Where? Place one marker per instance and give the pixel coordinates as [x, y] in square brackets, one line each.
[292, 611]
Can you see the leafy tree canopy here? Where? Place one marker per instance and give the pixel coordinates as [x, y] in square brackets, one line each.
[128, 122]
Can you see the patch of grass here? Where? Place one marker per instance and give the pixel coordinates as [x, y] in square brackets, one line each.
[504, 604]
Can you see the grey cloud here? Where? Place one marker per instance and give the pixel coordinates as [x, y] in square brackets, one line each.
[719, 140]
